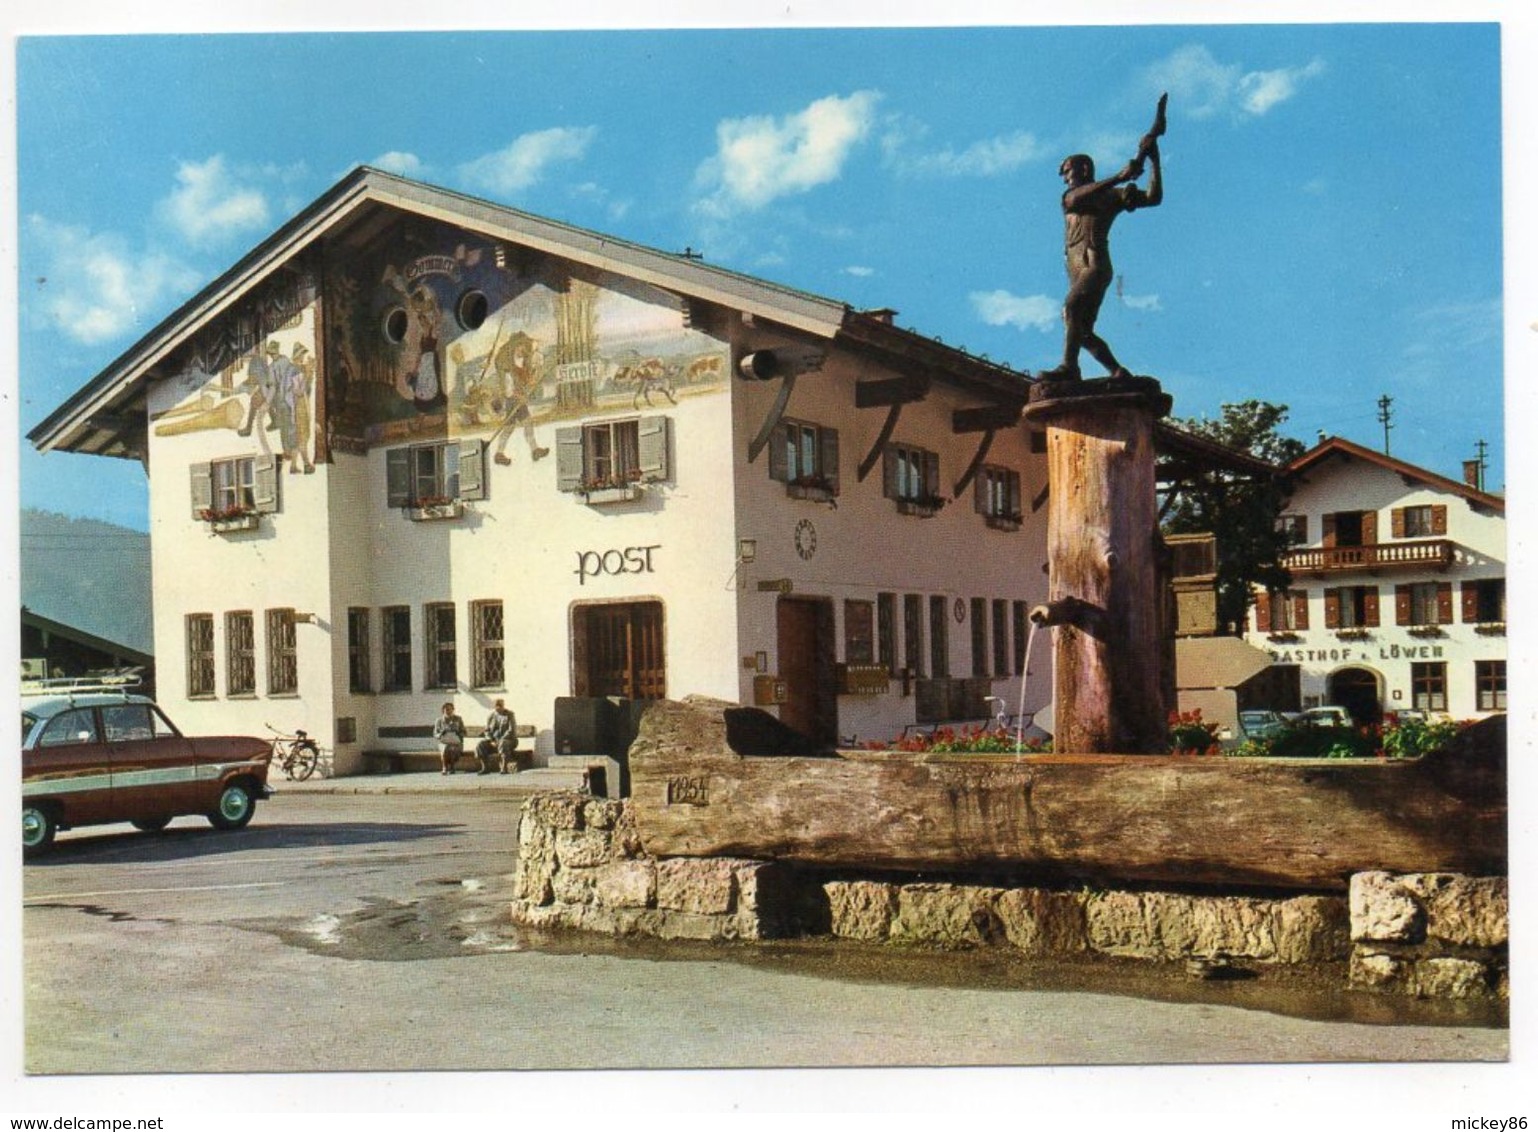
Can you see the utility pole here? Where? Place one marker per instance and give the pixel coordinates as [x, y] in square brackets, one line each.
[1385, 416]
[1480, 449]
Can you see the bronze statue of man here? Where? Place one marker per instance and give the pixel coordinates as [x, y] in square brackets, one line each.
[1090, 207]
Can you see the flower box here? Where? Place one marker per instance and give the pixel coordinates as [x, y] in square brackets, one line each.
[230, 524]
[626, 493]
[1491, 628]
[426, 512]
[1352, 634]
[1003, 522]
[1426, 631]
[925, 508]
[817, 491]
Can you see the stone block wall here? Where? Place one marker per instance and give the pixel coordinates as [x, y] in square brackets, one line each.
[580, 866]
[1437, 935]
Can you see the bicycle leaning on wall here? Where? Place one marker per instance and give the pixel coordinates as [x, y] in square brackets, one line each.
[295, 755]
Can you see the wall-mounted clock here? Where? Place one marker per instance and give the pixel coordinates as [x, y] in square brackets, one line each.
[806, 539]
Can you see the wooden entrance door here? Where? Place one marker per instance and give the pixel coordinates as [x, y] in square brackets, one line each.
[806, 665]
[620, 650]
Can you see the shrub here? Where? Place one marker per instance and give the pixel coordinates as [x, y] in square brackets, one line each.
[1190, 736]
[969, 740]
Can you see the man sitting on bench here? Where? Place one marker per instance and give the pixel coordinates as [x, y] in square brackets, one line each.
[501, 738]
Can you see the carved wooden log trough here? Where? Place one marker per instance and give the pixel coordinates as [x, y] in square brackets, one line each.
[1185, 820]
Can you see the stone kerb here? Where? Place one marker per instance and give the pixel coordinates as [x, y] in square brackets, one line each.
[1438, 935]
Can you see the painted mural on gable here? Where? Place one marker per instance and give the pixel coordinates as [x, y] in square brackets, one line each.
[482, 339]
[253, 373]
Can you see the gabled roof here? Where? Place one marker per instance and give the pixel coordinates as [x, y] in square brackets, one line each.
[106, 417]
[1338, 446]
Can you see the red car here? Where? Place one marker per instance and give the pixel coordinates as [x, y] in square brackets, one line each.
[91, 756]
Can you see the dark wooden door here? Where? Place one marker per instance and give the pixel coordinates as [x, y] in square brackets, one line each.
[623, 647]
[806, 665]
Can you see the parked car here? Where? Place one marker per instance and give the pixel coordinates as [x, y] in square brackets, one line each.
[91, 755]
[1258, 724]
[1326, 716]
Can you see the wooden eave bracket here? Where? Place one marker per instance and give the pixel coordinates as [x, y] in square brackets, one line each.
[893, 392]
[977, 462]
[776, 412]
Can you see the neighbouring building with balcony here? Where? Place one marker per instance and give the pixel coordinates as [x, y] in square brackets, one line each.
[1398, 595]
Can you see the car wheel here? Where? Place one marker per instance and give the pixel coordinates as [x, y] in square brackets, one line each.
[151, 825]
[37, 829]
[306, 756]
[235, 807]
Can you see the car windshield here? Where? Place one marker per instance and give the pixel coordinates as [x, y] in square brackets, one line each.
[28, 722]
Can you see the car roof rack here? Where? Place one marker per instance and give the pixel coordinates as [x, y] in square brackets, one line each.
[119, 681]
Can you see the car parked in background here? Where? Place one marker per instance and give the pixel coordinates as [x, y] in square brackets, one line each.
[1261, 724]
[1327, 716]
[92, 754]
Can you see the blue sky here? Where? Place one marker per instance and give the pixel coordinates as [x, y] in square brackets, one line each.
[1331, 230]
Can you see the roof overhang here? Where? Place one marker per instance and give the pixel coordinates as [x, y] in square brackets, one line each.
[1337, 446]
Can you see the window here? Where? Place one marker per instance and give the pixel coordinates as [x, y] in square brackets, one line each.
[282, 653]
[240, 654]
[132, 723]
[228, 489]
[1351, 528]
[1423, 603]
[1283, 611]
[612, 454]
[913, 634]
[1294, 528]
[486, 636]
[979, 612]
[859, 632]
[1484, 601]
[912, 477]
[804, 457]
[359, 679]
[200, 655]
[427, 475]
[1425, 520]
[939, 638]
[397, 648]
[1000, 637]
[1428, 684]
[1490, 685]
[996, 494]
[886, 631]
[77, 725]
[1351, 607]
[442, 662]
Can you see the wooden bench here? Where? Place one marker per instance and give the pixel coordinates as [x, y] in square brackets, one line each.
[417, 759]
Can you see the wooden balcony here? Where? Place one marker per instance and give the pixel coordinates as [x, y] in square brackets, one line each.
[1436, 553]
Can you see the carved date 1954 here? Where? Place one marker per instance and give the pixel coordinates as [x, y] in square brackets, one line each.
[688, 790]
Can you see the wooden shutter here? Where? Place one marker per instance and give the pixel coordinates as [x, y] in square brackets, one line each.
[827, 441]
[472, 469]
[398, 477]
[1444, 603]
[889, 472]
[202, 488]
[1263, 612]
[1470, 595]
[980, 491]
[1403, 606]
[652, 447]
[1439, 519]
[1396, 522]
[779, 464]
[1329, 530]
[568, 458]
[265, 484]
[1300, 610]
[1332, 609]
[932, 475]
[1370, 607]
[1369, 528]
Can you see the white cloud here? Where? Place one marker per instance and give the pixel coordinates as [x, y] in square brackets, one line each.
[209, 205]
[1142, 302]
[527, 159]
[1027, 312]
[761, 159]
[986, 158]
[401, 164]
[859, 272]
[1202, 87]
[94, 289]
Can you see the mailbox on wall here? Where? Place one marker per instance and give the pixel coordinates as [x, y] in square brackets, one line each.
[769, 690]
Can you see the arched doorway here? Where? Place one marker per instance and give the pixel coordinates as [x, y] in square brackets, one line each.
[1358, 690]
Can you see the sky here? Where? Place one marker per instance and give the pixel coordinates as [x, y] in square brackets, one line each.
[1331, 231]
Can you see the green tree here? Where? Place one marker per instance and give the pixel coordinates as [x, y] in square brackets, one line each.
[1240, 511]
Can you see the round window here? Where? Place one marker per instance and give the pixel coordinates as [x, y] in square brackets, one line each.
[396, 324]
[472, 310]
